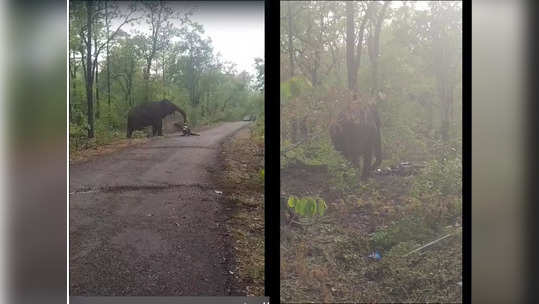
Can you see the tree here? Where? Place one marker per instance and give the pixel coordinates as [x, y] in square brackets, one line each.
[313, 33]
[259, 66]
[160, 17]
[107, 26]
[89, 70]
[289, 34]
[439, 33]
[196, 57]
[93, 16]
[125, 60]
[374, 45]
[353, 51]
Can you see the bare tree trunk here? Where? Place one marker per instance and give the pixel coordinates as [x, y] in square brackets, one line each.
[290, 47]
[73, 79]
[164, 92]
[350, 46]
[147, 94]
[314, 71]
[96, 90]
[359, 47]
[108, 49]
[376, 46]
[89, 74]
[447, 101]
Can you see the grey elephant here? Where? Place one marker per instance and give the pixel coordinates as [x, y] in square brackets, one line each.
[356, 134]
[151, 114]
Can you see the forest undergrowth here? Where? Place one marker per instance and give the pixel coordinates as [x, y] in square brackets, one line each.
[327, 259]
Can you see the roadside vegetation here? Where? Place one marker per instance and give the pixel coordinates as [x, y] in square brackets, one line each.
[242, 184]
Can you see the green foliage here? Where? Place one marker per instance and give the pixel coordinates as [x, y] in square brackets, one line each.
[321, 152]
[410, 228]
[439, 177]
[77, 137]
[258, 129]
[261, 176]
[403, 137]
[307, 206]
[259, 65]
[294, 88]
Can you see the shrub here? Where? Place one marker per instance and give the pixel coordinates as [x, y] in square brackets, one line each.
[77, 137]
[439, 177]
[307, 206]
[408, 229]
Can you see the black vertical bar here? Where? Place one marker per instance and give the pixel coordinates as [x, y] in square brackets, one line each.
[272, 127]
[467, 151]
[532, 237]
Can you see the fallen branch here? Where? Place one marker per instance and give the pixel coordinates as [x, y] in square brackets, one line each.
[431, 243]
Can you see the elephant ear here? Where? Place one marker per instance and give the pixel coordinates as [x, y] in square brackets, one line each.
[163, 107]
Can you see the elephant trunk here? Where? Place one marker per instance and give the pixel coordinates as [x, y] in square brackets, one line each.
[183, 114]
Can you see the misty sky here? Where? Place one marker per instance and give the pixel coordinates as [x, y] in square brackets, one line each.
[235, 28]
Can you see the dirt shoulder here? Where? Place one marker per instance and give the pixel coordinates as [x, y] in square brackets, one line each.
[241, 180]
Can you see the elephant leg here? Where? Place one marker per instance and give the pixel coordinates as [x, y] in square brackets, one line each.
[157, 128]
[377, 149]
[129, 132]
[367, 159]
[160, 128]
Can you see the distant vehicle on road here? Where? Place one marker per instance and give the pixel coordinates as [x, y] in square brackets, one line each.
[250, 117]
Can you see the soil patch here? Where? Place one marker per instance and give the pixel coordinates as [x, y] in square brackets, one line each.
[241, 182]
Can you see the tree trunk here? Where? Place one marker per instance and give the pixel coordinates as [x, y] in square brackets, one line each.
[359, 47]
[376, 47]
[96, 90]
[130, 90]
[73, 80]
[350, 45]
[147, 94]
[108, 49]
[290, 47]
[447, 100]
[164, 90]
[89, 74]
[314, 71]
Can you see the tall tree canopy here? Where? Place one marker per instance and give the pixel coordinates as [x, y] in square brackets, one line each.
[126, 53]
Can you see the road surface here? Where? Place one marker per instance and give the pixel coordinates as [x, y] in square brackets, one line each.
[146, 221]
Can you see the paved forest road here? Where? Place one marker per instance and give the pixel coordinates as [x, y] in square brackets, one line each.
[147, 221]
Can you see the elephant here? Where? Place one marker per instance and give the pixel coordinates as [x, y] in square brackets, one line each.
[151, 114]
[356, 134]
